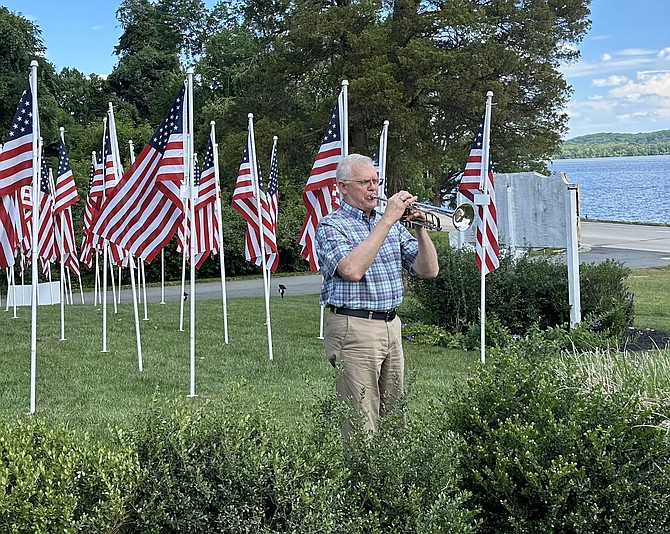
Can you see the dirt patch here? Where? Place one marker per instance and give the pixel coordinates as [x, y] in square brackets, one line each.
[646, 339]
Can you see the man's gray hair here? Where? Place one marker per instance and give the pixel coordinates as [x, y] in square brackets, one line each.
[347, 165]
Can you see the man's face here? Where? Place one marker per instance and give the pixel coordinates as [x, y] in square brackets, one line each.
[360, 190]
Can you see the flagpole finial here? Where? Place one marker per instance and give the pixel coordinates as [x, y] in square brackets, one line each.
[274, 137]
[61, 129]
[345, 82]
[34, 63]
[190, 70]
[489, 94]
[386, 123]
[212, 123]
[250, 116]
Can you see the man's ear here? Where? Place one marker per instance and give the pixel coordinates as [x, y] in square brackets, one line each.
[342, 186]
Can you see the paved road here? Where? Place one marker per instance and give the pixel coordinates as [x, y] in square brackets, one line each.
[635, 245]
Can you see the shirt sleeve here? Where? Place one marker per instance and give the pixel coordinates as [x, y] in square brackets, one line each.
[409, 248]
[332, 246]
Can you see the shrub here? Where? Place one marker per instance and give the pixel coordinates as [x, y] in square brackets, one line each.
[404, 478]
[540, 455]
[215, 469]
[53, 480]
[607, 304]
[522, 293]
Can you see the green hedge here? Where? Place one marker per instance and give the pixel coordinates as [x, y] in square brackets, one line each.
[530, 445]
[544, 453]
[524, 292]
[53, 480]
[223, 470]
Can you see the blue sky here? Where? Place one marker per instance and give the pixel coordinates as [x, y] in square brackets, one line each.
[621, 83]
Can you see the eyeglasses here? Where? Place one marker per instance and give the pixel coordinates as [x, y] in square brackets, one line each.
[366, 183]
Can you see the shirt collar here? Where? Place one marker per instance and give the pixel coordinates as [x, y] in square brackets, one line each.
[358, 214]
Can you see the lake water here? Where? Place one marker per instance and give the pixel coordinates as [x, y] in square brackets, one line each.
[631, 189]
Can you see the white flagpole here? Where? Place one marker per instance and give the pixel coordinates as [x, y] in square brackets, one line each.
[382, 157]
[14, 290]
[186, 229]
[111, 276]
[261, 228]
[105, 251]
[118, 173]
[483, 187]
[118, 299]
[81, 289]
[69, 285]
[191, 224]
[63, 282]
[183, 273]
[344, 113]
[162, 276]
[217, 205]
[144, 289]
[97, 278]
[36, 170]
[116, 158]
[344, 127]
[131, 267]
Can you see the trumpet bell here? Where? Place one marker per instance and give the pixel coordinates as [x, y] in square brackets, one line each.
[463, 216]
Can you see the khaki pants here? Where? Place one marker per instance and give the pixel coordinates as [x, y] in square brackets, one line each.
[370, 361]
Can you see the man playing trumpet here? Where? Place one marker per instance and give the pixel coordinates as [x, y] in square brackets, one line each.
[361, 254]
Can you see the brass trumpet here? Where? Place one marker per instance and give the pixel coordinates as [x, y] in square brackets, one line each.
[462, 217]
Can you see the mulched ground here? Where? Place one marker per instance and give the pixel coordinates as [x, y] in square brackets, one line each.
[646, 339]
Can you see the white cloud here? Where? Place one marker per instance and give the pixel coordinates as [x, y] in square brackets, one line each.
[605, 58]
[610, 81]
[97, 28]
[649, 84]
[664, 54]
[636, 52]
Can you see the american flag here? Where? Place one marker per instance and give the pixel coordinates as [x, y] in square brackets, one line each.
[111, 172]
[25, 204]
[206, 222]
[111, 169]
[16, 171]
[90, 210]
[245, 204]
[320, 195]
[67, 248]
[66, 196]
[66, 189]
[273, 207]
[145, 210]
[10, 231]
[46, 238]
[16, 160]
[485, 257]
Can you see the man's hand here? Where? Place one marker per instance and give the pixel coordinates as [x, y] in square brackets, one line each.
[398, 204]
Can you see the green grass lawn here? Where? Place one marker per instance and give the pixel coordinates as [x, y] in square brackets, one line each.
[78, 384]
[651, 291]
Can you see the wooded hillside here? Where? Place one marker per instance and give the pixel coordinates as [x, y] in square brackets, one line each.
[617, 144]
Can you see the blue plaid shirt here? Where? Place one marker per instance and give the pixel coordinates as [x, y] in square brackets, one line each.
[380, 288]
